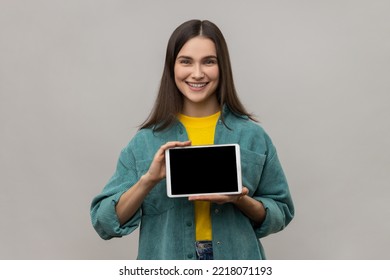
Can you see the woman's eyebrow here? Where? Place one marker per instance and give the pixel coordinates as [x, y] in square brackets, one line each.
[184, 57]
[210, 56]
[189, 57]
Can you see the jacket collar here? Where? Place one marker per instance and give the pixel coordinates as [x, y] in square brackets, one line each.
[227, 117]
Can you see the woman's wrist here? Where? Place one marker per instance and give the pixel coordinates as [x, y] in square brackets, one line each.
[238, 199]
[148, 181]
[254, 209]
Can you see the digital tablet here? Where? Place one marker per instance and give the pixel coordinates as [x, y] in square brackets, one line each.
[202, 170]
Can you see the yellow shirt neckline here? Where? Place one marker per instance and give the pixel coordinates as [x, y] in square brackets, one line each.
[199, 122]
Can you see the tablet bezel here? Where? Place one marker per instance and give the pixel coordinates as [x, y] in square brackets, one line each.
[238, 170]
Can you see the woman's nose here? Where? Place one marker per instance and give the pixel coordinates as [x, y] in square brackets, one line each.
[198, 72]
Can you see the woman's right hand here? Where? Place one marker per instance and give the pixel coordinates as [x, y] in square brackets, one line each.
[157, 169]
[132, 199]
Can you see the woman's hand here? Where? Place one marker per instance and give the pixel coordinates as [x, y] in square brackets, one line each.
[157, 169]
[132, 199]
[252, 208]
[220, 199]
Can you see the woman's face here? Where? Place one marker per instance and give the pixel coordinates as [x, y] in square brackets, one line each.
[197, 76]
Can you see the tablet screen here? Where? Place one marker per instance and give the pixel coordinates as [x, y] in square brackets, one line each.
[197, 170]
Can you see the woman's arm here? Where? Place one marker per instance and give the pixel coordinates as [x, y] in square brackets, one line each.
[131, 200]
[252, 208]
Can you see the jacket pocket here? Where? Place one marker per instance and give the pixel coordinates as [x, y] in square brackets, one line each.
[252, 165]
[157, 201]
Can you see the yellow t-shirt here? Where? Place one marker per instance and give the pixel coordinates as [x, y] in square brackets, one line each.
[201, 132]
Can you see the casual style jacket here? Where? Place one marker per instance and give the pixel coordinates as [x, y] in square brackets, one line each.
[167, 228]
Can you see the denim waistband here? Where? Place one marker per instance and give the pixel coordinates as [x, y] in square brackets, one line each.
[204, 250]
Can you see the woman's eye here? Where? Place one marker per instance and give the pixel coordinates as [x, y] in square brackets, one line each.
[211, 61]
[185, 61]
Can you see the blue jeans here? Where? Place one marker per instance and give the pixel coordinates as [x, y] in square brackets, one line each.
[204, 250]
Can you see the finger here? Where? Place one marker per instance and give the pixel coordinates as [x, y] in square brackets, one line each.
[212, 198]
[174, 144]
[244, 191]
[199, 197]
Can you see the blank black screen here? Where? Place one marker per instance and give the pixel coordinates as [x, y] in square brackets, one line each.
[203, 170]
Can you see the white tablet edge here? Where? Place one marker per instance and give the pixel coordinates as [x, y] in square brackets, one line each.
[168, 173]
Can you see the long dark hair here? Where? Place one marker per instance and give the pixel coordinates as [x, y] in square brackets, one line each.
[169, 100]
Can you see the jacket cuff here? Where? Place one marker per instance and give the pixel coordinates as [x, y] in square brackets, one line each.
[109, 223]
[274, 220]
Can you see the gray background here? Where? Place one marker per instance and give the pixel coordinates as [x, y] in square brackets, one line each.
[78, 77]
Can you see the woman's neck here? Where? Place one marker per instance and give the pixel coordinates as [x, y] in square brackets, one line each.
[198, 110]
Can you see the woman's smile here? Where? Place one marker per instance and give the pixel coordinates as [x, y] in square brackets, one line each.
[197, 86]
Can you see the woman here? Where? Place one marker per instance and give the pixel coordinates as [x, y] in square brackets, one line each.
[196, 105]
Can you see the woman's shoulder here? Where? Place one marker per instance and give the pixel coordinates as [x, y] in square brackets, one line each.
[142, 138]
[149, 139]
[141, 146]
[251, 133]
[245, 123]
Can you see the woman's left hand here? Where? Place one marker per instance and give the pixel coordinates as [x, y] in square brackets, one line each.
[220, 198]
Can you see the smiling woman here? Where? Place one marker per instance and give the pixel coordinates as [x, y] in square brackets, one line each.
[188, 37]
[197, 77]
[196, 104]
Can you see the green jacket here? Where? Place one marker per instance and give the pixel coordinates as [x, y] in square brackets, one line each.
[167, 229]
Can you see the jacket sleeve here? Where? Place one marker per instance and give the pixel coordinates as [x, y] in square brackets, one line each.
[274, 193]
[103, 214]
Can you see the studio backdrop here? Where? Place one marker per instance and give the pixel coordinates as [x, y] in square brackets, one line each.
[78, 77]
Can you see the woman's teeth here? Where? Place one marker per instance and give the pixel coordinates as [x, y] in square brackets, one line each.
[197, 85]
